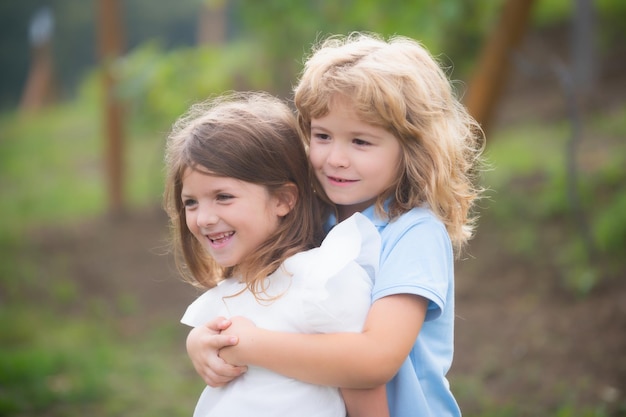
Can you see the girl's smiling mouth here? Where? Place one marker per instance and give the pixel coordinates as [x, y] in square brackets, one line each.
[219, 238]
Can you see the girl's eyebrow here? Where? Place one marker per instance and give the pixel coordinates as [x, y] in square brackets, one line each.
[213, 191]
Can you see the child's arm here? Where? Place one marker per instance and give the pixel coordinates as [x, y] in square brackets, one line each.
[366, 402]
[203, 344]
[348, 360]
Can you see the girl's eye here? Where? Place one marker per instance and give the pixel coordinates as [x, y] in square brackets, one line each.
[360, 142]
[189, 203]
[223, 197]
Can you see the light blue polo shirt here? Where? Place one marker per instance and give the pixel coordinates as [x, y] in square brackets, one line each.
[417, 258]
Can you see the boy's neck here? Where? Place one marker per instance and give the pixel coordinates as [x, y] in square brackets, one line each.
[343, 212]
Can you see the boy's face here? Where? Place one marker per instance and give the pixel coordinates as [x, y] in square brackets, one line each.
[230, 218]
[354, 161]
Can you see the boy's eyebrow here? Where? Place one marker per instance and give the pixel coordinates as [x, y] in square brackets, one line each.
[357, 133]
[352, 132]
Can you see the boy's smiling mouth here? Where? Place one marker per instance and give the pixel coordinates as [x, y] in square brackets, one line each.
[341, 180]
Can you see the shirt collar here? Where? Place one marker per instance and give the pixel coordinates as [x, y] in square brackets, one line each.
[369, 212]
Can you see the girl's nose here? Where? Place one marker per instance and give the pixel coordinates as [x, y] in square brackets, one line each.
[206, 217]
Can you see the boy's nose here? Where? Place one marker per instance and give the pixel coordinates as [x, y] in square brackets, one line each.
[338, 157]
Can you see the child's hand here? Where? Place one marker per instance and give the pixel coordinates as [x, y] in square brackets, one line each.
[203, 345]
[242, 329]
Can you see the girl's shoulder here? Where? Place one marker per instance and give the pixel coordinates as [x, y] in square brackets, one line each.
[337, 288]
[354, 239]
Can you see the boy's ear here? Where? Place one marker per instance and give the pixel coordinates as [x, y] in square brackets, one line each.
[287, 197]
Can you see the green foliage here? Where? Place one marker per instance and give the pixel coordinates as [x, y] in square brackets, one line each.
[530, 185]
[513, 151]
[285, 30]
[159, 86]
[289, 29]
[612, 29]
[547, 13]
[610, 225]
[579, 275]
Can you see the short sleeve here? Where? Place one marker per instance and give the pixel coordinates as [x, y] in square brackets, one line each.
[339, 283]
[200, 311]
[416, 259]
[203, 309]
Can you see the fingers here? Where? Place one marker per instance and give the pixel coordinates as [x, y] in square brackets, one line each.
[220, 375]
[203, 345]
[214, 342]
[208, 337]
[218, 324]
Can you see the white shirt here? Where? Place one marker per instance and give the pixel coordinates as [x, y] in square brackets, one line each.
[322, 290]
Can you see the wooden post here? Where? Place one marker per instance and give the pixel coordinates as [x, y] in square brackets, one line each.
[39, 89]
[212, 22]
[494, 63]
[110, 39]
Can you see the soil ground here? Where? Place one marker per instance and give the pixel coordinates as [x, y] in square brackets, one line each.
[521, 339]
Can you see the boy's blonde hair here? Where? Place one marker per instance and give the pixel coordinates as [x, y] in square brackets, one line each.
[252, 137]
[398, 86]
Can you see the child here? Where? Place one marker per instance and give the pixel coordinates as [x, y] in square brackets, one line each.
[245, 223]
[388, 138]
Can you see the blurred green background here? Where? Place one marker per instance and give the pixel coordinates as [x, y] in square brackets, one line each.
[89, 296]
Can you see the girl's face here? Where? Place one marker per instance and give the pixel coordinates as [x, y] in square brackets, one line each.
[229, 217]
[353, 160]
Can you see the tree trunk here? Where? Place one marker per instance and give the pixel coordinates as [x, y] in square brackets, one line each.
[110, 37]
[584, 62]
[493, 66]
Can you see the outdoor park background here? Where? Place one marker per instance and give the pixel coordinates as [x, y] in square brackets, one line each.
[89, 296]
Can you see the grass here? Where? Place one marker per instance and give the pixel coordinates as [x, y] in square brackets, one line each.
[67, 353]
[57, 365]
[52, 166]
[49, 167]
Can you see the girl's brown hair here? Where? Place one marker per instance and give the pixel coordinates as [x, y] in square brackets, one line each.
[251, 137]
[398, 85]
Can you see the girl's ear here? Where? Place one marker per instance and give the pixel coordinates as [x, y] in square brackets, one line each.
[286, 199]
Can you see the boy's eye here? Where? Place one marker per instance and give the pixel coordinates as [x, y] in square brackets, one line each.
[321, 136]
